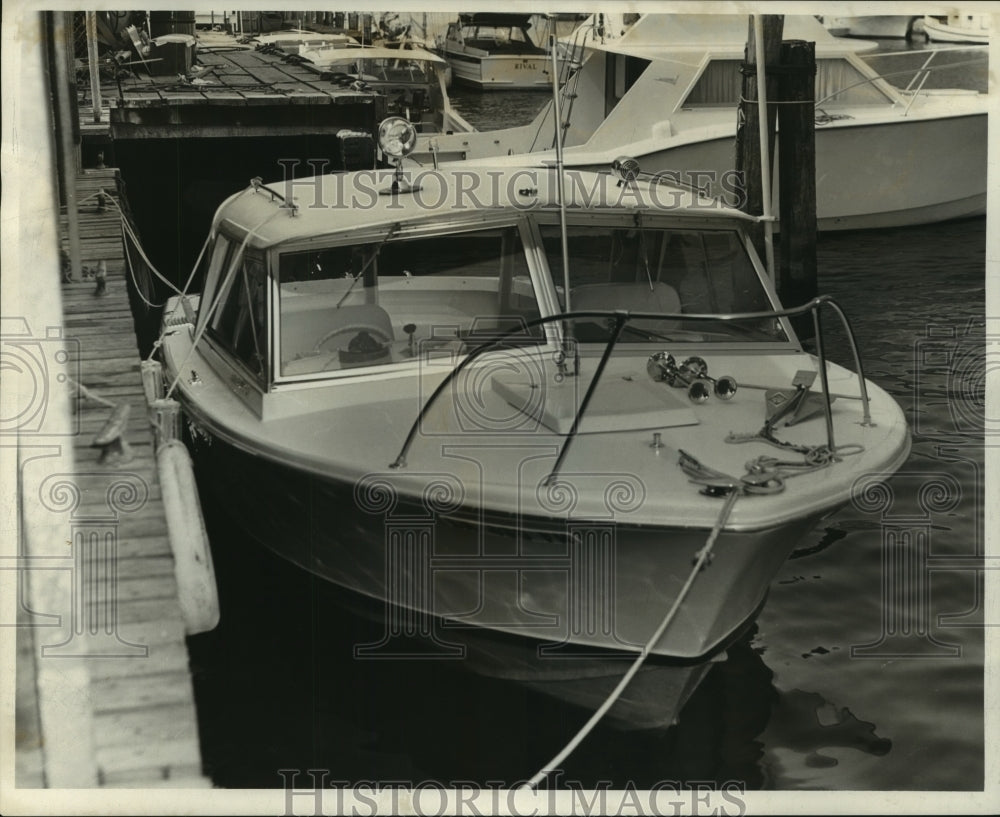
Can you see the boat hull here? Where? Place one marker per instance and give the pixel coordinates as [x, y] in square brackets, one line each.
[500, 72]
[561, 609]
[942, 32]
[911, 174]
[653, 700]
[571, 587]
[875, 25]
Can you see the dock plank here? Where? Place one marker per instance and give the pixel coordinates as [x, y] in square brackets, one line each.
[165, 656]
[134, 761]
[143, 554]
[144, 720]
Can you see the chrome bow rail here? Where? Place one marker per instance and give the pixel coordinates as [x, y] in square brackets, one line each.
[620, 319]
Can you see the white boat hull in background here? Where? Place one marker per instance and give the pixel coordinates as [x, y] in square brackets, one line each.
[921, 179]
[959, 28]
[496, 72]
[877, 25]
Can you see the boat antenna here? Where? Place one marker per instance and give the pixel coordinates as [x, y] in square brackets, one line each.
[765, 159]
[559, 169]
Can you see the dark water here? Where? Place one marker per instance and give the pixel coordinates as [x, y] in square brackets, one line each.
[499, 109]
[858, 676]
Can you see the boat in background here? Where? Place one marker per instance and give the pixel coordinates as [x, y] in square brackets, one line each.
[412, 80]
[510, 415]
[885, 155]
[494, 51]
[882, 26]
[294, 40]
[959, 27]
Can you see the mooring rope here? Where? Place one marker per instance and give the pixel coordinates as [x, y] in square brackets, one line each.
[131, 271]
[83, 391]
[701, 559]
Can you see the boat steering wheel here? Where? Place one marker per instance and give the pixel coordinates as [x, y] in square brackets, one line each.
[372, 329]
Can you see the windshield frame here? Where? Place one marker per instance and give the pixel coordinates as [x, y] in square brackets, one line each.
[401, 233]
[663, 221]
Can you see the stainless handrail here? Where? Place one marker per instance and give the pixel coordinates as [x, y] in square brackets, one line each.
[907, 89]
[621, 318]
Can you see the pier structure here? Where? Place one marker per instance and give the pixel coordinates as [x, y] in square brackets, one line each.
[236, 93]
[186, 127]
[104, 695]
[230, 90]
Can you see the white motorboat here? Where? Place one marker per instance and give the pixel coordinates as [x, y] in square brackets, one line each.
[667, 90]
[494, 51]
[412, 80]
[294, 40]
[543, 461]
[959, 27]
[881, 26]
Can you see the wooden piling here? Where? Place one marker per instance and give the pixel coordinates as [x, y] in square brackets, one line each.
[797, 178]
[92, 63]
[748, 143]
[66, 118]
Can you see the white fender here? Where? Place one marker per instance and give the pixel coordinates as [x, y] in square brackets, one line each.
[199, 596]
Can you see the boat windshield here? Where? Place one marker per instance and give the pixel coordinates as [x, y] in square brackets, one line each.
[644, 269]
[388, 301]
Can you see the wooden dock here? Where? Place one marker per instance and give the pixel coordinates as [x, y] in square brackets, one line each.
[144, 728]
[232, 92]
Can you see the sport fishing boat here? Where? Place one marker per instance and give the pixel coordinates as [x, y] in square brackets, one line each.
[494, 51]
[666, 92]
[544, 421]
[411, 79]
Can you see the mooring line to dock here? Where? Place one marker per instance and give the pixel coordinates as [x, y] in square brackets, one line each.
[702, 558]
[129, 233]
[89, 394]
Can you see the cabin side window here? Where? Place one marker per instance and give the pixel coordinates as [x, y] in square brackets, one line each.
[239, 321]
[214, 264]
[642, 269]
[376, 303]
[837, 81]
[720, 84]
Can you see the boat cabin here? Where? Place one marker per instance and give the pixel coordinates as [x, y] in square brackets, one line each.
[371, 283]
[696, 61]
[494, 33]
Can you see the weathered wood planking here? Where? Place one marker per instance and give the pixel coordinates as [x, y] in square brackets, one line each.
[230, 77]
[144, 718]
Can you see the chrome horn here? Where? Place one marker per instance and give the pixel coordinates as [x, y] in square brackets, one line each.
[692, 373]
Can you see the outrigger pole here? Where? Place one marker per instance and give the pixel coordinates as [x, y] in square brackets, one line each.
[559, 169]
[765, 158]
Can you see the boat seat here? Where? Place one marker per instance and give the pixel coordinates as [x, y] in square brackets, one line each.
[348, 321]
[355, 335]
[633, 296]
